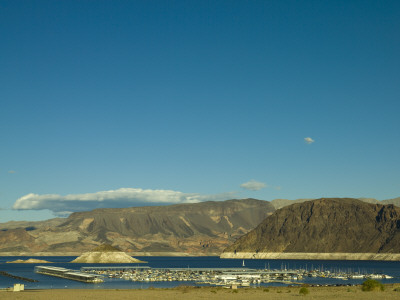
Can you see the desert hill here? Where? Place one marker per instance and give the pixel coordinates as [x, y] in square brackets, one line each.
[200, 228]
[28, 261]
[326, 226]
[105, 254]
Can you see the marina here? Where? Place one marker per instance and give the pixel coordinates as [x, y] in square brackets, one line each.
[169, 272]
[225, 276]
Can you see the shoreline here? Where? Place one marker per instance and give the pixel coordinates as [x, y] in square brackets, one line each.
[312, 256]
[237, 255]
[172, 254]
[186, 292]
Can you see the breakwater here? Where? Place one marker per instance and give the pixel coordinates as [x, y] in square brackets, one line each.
[17, 277]
[312, 256]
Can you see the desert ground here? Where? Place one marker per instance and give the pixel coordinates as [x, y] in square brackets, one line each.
[184, 292]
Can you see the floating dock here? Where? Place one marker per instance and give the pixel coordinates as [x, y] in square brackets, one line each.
[68, 274]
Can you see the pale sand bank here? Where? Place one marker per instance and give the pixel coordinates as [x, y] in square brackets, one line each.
[28, 261]
[129, 253]
[274, 293]
[318, 256]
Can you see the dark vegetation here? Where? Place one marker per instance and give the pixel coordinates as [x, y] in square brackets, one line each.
[304, 291]
[372, 285]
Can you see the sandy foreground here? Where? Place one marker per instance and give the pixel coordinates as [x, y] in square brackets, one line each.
[183, 292]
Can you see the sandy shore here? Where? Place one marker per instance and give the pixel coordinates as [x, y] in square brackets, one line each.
[310, 256]
[182, 292]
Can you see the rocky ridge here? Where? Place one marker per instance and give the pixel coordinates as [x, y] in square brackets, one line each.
[196, 229]
[323, 226]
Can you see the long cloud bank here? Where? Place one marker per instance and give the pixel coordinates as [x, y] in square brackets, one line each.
[124, 197]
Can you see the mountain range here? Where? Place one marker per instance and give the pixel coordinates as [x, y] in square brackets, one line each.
[201, 228]
[205, 228]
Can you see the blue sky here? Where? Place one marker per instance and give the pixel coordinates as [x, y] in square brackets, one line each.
[122, 103]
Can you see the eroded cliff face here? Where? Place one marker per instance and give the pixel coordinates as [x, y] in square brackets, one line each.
[201, 228]
[312, 256]
[326, 226]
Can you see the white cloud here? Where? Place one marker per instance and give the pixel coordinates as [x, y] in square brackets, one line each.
[253, 185]
[124, 197]
[309, 140]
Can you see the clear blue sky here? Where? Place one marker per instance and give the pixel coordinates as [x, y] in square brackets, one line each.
[203, 99]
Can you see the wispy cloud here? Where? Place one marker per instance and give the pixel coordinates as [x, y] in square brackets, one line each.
[253, 185]
[124, 197]
[309, 140]
[12, 172]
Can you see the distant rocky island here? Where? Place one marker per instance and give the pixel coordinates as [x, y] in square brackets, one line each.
[334, 228]
[105, 254]
[28, 261]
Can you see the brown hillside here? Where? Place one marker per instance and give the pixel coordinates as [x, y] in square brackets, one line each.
[326, 225]
[105, 248]
[199, 228]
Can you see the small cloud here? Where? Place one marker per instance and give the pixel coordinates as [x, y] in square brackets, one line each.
[309, 140]
[253, 185]
[12, 172]
[278, 188]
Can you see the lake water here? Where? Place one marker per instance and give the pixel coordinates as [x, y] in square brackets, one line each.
[46, 282]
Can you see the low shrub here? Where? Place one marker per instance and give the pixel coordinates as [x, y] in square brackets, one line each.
[372, 285]
[304, 291]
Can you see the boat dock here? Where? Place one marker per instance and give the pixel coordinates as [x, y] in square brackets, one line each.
[68, 274]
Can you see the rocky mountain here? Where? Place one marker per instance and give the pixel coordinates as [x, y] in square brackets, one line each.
[200, 228]
[31, 225]
[279, 203]
[326, 226]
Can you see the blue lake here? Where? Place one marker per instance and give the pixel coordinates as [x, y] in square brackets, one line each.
[46, 282]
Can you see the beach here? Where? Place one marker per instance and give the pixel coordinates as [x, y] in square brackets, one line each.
[188, 292]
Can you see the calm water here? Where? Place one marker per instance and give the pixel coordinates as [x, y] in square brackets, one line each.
[27, 270]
